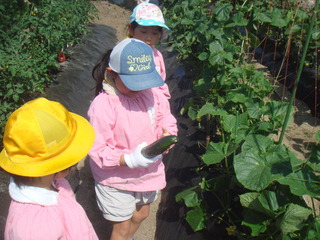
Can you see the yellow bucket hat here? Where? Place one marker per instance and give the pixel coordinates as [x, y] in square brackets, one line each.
[42, 138]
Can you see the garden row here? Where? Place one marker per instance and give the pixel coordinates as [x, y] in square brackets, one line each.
[32, 33]
[258, 182]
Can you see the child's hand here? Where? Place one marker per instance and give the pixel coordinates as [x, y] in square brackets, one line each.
[166, 133]
[136, 159]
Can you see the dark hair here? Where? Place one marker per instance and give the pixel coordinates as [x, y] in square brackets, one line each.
[20, 180]
[23, 180]
[98, 72]
[134, 25]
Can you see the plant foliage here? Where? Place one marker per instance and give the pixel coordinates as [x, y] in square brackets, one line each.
[259, 184]
[32, 33]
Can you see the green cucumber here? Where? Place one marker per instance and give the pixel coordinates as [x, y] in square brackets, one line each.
[159, 146]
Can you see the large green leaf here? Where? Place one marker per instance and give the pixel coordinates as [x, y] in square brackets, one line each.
[267, 202]
[201, 86]
[314, 161]
[313, 230]
[216, 53]
[293, 218]
[238, 126]
[223, 12]
[303, 182]
[208, 108]
[263, 16]
[239, 19]
[260, 163]
[231, 122]
[251, 200]
[277, 111]
[196, 218]
[253, 108]
[236, 97]
[203, 56]
[257, 222]
[187, 21]
[192, 113]
[256, 171]
[189, 196]
[278, 19]
[218, 151]
[257, 143]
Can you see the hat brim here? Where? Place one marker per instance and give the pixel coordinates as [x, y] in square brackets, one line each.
[142, 81]
[77, 150]
[150, 23]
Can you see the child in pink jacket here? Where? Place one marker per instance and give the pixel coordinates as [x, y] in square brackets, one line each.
[42, 141]
[128, 113]
[146, 24]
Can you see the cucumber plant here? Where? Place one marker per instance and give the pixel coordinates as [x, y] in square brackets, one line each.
[259, 184]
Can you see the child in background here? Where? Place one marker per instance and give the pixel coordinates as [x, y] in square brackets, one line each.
[129, 112]
[42, 141]
[150, 1]
[141, 1]
[146, 24]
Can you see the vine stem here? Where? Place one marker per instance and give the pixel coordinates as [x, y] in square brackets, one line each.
[306, 45]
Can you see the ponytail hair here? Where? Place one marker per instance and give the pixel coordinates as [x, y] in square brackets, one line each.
[99, 71]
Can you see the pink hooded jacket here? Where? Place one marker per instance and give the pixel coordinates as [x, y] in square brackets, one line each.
[159, 62]
[122, 123]
[37, 214]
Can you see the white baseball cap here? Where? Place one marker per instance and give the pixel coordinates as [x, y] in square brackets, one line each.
[148, 14]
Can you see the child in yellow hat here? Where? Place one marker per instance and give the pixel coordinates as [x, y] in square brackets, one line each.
[42, 141]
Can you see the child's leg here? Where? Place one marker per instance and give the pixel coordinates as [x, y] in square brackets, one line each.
[125, 230]
[121, 230]
[125, 209]
[141, 213]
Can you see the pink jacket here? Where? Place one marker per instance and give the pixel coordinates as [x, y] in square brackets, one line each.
[121, 123]
[37, 214]
[159, 62]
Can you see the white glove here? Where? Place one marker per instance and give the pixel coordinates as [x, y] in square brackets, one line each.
[136, 159]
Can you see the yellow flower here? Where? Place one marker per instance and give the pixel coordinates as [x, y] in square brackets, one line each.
[231, 230]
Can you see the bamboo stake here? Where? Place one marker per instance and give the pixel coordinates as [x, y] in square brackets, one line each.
[306, 45]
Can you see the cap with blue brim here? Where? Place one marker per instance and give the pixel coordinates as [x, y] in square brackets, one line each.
[148, 14]
[133, 60]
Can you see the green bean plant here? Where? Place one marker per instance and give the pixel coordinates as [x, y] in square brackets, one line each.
[258, 183]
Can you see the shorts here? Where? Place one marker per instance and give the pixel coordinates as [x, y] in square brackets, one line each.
[118, 205]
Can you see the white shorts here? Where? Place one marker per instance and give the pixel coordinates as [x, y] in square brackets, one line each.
[118, 205]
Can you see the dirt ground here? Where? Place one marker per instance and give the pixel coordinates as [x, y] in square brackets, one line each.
[114, 16]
